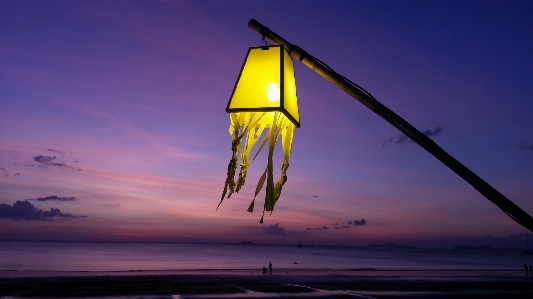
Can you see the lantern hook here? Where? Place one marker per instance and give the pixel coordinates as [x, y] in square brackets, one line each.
[264, 40]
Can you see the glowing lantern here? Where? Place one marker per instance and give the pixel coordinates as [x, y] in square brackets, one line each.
[264, 97]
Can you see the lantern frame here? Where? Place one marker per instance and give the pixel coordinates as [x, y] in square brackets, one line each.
[284, 54]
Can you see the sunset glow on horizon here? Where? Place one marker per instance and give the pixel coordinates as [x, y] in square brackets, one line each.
[113, 113]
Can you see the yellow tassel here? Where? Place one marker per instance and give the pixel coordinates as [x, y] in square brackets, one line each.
[248, 125]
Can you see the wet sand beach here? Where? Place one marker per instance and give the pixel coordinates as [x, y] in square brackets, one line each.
[244, 284]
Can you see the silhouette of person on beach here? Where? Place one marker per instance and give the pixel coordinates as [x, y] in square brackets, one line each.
[525, 268]
[265, 270]
[270, 267]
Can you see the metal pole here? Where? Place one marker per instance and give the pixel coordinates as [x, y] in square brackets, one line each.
[406, 128]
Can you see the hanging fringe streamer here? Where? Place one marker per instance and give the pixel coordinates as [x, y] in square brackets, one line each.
[245, 130]
[237, 131]
[286, 142]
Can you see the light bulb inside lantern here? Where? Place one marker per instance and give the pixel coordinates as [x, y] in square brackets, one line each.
[273, 92]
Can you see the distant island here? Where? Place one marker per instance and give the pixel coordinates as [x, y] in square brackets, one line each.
[391, 246]
[466, 247]
[247, 243]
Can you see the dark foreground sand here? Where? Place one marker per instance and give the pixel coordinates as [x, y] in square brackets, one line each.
[303, 284]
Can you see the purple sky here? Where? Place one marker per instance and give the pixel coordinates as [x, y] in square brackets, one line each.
[114, 110]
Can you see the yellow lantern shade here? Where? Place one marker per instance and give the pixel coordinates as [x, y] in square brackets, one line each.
[266, 84]
[263, 101]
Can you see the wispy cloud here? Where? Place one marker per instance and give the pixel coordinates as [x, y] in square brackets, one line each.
[24, 210]
[359, 222]
[56, 151]
[45, 161]
[275, 230]
[343, 225]
[54, 197]
[525, 146]
[48, 160]
[402, 139]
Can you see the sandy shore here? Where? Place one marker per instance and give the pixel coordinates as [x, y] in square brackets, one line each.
[242, 284]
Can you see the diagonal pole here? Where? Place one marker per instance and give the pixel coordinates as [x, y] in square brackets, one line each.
[358, 93]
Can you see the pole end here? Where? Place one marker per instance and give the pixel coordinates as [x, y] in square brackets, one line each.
[255, 25]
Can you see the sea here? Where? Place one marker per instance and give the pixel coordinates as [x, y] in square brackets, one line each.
[28, 258]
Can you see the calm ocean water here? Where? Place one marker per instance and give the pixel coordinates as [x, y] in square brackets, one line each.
[64, 256]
